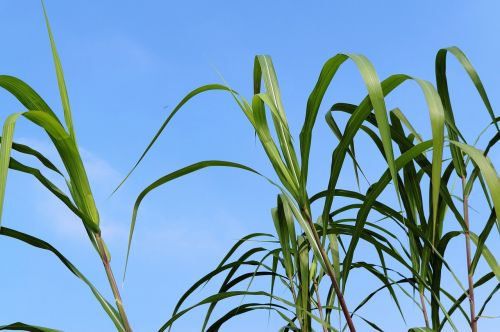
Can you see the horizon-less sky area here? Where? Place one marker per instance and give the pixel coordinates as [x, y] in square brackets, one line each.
[128, 63]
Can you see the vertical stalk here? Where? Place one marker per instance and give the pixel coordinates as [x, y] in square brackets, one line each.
[292, 289]
[320, 307]
[112, 282]
[331, 274]
[473, 321]
[424, 309]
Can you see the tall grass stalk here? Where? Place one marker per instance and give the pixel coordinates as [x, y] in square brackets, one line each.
[112, 282]
[472, 302]
[81, 200]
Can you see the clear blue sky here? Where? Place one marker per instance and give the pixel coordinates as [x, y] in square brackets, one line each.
[127, 63]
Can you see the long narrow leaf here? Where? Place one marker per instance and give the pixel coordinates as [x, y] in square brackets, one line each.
[31, 240]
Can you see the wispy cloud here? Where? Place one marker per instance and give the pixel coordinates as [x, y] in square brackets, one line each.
[102, 176]
[117, 50]
[187, 238]
[58, 217]
[175, 239]
[100, 172]
[157, 234]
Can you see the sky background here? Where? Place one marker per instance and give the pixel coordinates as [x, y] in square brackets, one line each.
[128, 63]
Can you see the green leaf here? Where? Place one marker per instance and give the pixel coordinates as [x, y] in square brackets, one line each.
[33, 241]
[488, 172]
[188, 97]
[400, 115]
[25, 94]
[457, 302]
[227, 295]
[377, 188]
[16, 165]
[18, 326]
[488, 256]
[281, 225]
[30, 151]
[244, 308]
[5, 148]
[481, 239]
[264, 65]
[467, 65]
[376, 98]
[363, 111]
[262, 129]
[68, 151]
[172, 176]
[60, 78]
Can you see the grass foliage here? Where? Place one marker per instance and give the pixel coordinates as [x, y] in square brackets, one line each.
[310, 257]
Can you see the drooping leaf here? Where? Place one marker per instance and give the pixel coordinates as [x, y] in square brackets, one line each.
[19, 326]
[35, 242]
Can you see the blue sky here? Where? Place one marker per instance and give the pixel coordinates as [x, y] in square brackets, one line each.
[127, 64]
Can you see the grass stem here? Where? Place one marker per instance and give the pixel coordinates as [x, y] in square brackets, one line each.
[112, 282]
[331, 274]
[473, 320]
[320, 307]
[424, 309]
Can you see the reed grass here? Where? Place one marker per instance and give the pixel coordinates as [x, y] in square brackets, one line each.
[310, 257]
[307, 252]
[80, 201]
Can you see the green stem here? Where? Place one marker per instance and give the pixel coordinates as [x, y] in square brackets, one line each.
[331, 273]
[320, 307]
[424, 309]
[473, 320]
[112, 282]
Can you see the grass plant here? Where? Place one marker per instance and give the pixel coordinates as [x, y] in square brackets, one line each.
[313, 250]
